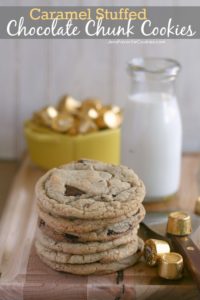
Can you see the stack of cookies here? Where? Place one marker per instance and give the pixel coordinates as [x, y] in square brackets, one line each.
[89, 214]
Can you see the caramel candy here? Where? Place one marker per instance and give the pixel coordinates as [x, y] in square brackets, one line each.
[91, 108]
[62, 123]
[74, 117]
[116, 109]
[153, 249]
[170, 266]
[109, 119]
[112, 120]
[179, 223]
[46, 115]
[93, 113]
[75, 129]
[68, 104]
[91, 103]
[86, 126]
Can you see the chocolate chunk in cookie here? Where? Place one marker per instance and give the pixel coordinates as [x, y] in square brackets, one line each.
[71, 238]
[72, 191]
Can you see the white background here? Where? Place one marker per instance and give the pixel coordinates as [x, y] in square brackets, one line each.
[34, 73]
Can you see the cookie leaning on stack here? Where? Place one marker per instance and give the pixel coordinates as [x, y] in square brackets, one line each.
[89, 215]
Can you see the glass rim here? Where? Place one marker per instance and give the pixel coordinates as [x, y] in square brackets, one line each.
[154, 65]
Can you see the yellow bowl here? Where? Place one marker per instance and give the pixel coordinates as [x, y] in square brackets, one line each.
[49, 149]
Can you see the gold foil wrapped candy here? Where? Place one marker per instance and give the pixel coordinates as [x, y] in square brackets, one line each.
[45, 116]
[68, 104]
[91, 103]
[153, 249]
[87, 125]
[197, 206]
[109, 117]
[74, 117]
[62, 122]
[91, 108]
[93, 113]
[179, 223]
[170, 266]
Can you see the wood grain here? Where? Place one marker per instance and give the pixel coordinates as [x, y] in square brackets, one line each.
[26, 277]
[190, 252]
[8, 170]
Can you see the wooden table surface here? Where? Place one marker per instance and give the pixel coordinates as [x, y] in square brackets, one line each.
[24, 276]
[8, 170]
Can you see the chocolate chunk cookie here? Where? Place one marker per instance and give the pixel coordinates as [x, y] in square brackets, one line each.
[118, 253]
[103, 228]
[87, 247]
[90, 190]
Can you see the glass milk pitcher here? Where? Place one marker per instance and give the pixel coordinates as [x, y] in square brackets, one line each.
[152, 130]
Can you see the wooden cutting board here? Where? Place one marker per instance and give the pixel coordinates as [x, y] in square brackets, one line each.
[24, 276]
